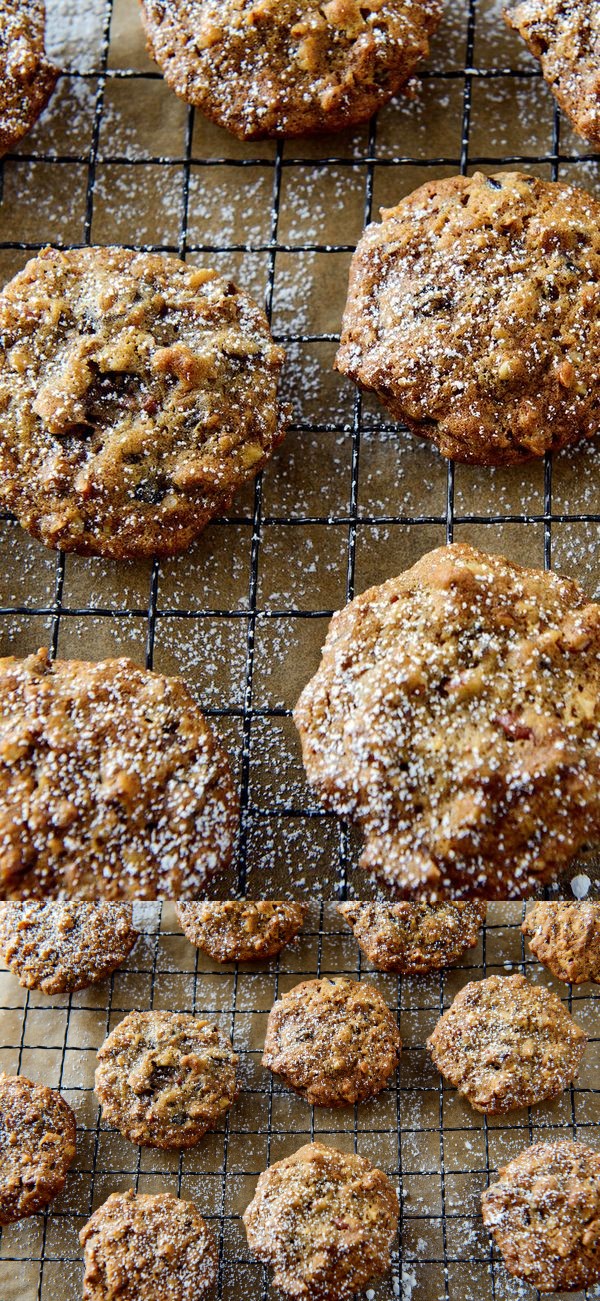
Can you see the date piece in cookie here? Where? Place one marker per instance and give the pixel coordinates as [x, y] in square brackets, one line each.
[60, 947]
[37, 1146]
[474, 314]
[288, 67]
[565, 937]
[455, 717]
[241, 931]
[414, 938]
[566, 40]
[506, 1043]
[137, 394]
[27, 78]
[112, 784]
[334, 1041]
[325, 1221]
[544, 1216]
[165, 1078]
[139, 1247]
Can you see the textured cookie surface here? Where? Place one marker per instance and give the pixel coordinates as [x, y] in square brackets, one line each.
[566, 938]
[456, 717]
[137, 394]
[27, 78]
[112, 784]
[139, 1247]
[240, 931]
[335, 1041]
[58, 947]
[566, 40]
[325, 1221]
[37, 1146]
[474, 313]
[506, 1043]
[165, 1078]
[414, 938]
[544, 1215]
[288, 67]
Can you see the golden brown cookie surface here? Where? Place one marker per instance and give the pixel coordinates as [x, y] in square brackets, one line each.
[60, 947]
[239, 930]
[27, 78]
[566, 40]
[414, 938]
[139, 1247]
[565, 937]
[37, 1146]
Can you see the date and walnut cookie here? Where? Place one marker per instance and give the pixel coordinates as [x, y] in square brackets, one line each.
[112, 784]
[565, 38]
[141, 1247]
[325, 1221]
[335, 1042]
[239, 930]
[565, 937]
[37, 1146]
[59, 947]
[455, 717]
[137, 394]
[506, 1043]
[414, 938]
[474, 313]
[165, 1078]
[288, 67]
[544, 1215]
[27, 78]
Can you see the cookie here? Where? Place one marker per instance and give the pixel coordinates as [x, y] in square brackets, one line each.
[288, 67]
[544, 1216]
[137, 395]
[112, 784]
[325, 1221]
[474, 314]
[506, 1043]
[455, 717]
[62, 947]
[334, 1041]
[414, 938]
[139, 1247]
[37, 1146]
[565, 937]
[165, 1078]
[27, 78]
[241, 931]
[566, 40]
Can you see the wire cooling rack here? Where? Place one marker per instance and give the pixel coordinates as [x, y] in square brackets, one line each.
[438, 1151]
[349, 499]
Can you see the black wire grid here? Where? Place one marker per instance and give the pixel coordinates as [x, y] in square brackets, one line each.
[350, 499]
[438, 1151]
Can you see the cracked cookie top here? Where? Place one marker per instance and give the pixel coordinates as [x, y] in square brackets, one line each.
[414, 938]
[240, 930]
[59, 947]
[140, 1247]
[27, 78]
[37, 1146]
[565, 937]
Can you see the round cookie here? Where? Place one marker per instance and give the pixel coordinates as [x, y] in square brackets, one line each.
[27, 78]
[565, 38]
[165, 1078]
[137, 394]
[37, 1146]
[59, 948]
[565, 937]
[455, 717]
[139, 1247]
[335, 1042]
[544, 1216]
[325, 1221]
[288, 67]
[112, 784]
[414, 938]
[506, 1043]
[474, 314]
[241, 931]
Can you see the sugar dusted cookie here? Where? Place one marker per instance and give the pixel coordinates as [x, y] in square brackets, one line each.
[240, 930]
[37, 1146]
[414, 938]
[566, 938]
[566, 40]
[140, 1247]
[59, 947]
[27, 78]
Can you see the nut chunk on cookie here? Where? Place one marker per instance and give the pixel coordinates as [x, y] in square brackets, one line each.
[414, 938]
[566, 40]
[565, 937]
[544, 1215]
[455, 716]
[325, 1220]
[59, 947]
[37, 1146]
[139, 1247]
[27, 78]
[474, 313]
[112, 784]
[506, 1043]
[239, 930]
